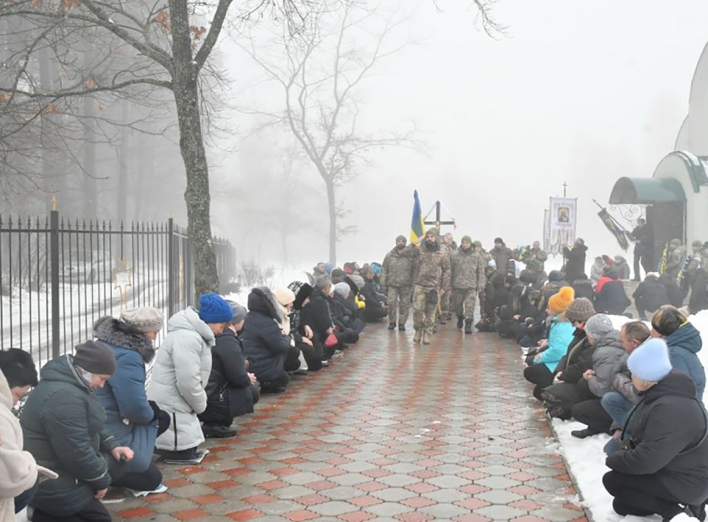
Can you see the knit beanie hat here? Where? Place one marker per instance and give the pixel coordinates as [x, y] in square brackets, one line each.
[466, 238]
[342, 289]
[302, 291]
[581, 309]
[322, 282]
[498, 240]
[213, 309]
[238, 311]
[478, 243]
[401, 238]
[337, 272]
[650, 361]
[143, 319]
[284, 296]
[95, 357]
[598, 326]
[358, 281]
[432, 232]
[560, 301]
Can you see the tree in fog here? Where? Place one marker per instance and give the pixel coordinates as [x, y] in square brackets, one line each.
[320, 75]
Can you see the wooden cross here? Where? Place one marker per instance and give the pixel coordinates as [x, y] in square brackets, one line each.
[437, 221]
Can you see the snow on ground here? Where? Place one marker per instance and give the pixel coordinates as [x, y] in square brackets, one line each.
[586, 459]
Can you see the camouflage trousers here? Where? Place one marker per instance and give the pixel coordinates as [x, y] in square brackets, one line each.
[399, 300]
[425, 307]
[445, 303]
[463, 302]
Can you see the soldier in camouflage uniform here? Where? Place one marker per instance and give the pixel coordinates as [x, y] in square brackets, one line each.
[444, 311]
[397, 280]
[535, 260]
[431, 281]
[467, 268]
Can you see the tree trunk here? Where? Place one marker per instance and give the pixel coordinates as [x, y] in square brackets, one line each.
[191, 143]
[332, 206]
[90, 190]
[125, 163]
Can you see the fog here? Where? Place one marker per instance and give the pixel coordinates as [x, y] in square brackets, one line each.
[577, 92]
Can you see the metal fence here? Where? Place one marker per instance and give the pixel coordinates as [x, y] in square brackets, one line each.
[58, 276]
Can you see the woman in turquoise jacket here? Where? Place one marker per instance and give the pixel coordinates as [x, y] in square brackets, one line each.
[555, 346]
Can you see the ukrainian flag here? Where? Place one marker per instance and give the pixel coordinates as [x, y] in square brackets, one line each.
[417, 226]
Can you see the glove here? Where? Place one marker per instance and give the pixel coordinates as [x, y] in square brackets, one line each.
[155, 409]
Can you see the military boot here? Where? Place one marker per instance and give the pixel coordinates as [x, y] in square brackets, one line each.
[401, 327]
[426, 337]
[391, 326]
[468, 326]
[443, 318]
[418, 335]
[460, 322]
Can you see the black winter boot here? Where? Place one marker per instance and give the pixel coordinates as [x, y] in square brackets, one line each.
[460, 322]
[468, 326]
[391, 326]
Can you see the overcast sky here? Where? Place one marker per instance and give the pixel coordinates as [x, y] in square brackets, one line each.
[582, 92]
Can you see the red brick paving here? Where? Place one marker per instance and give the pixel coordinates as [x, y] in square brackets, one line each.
[393, 430]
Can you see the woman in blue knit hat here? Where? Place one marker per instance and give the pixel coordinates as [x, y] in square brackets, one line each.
[181, 372]
[663, 468]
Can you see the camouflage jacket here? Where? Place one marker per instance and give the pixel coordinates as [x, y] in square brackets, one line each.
[467, 270]
[398, 267]
[502, 256]
[536, 260]
[675, 261]
[432, 267]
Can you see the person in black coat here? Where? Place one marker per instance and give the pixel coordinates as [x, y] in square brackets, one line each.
[305, 339]
[575, 260]
[584, 288]
[664, 466]
[650, 295]
[265, 344]
[676, 295]
[375, 309]
[232, 390]
[318, 316]
[612, 299]
[699, 292]
[643, 235]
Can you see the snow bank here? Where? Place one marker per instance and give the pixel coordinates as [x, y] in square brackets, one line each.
[586, 459]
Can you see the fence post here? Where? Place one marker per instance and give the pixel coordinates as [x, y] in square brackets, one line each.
[171, 267]
[54, 270]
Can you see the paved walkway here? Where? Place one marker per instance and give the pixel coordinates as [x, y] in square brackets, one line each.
[390, 432]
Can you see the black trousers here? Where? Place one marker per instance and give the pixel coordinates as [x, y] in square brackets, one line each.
[644, 256]
[312, 354]
[93, 512]
[640, 495]
[541, 376]
[292, 359]
[145, 481]
[592, 413]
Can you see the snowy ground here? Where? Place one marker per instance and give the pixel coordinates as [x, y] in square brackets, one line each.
[586, 458]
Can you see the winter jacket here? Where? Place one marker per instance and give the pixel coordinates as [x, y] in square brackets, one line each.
[373, 299]
[670, 429]
[607, 360]
[676, 295]
[502, 255]
[264, 344]
[607, 278]
[128, 415]
[575, 262]
[651, 294]
[584, 288]
[179, 375]
[612, 299]
[683, 345]
[622, 269]
[432, 267]
[622, 384]
[317, 315]
[64, 429]
[398, 267]
[578, 359]
[467, 270]
[229, 391]
[559, 336]
[596, 272]
[18, 470]
[699, 292]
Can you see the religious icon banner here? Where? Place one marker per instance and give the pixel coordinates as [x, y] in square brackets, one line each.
[561, 222]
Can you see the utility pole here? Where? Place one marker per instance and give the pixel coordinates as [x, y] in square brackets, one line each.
[565, 186]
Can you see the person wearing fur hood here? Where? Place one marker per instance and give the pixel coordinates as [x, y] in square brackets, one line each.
[18, 469]
[135, 421]
[266, 339]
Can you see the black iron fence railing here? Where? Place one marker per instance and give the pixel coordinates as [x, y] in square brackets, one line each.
[58, 276]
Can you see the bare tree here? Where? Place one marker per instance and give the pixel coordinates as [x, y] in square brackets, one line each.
[323, 73]
[137, 46]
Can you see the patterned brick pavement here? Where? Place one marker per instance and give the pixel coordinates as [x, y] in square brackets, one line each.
[390, 432]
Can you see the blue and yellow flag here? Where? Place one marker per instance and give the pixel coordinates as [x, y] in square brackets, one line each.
[417, 226]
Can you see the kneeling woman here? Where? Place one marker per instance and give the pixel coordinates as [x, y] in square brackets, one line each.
[664, 466]
[133, 420]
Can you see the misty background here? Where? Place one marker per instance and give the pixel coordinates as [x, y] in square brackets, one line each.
[576, 92]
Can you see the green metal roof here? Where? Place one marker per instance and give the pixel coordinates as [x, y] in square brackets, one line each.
[645, 191]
